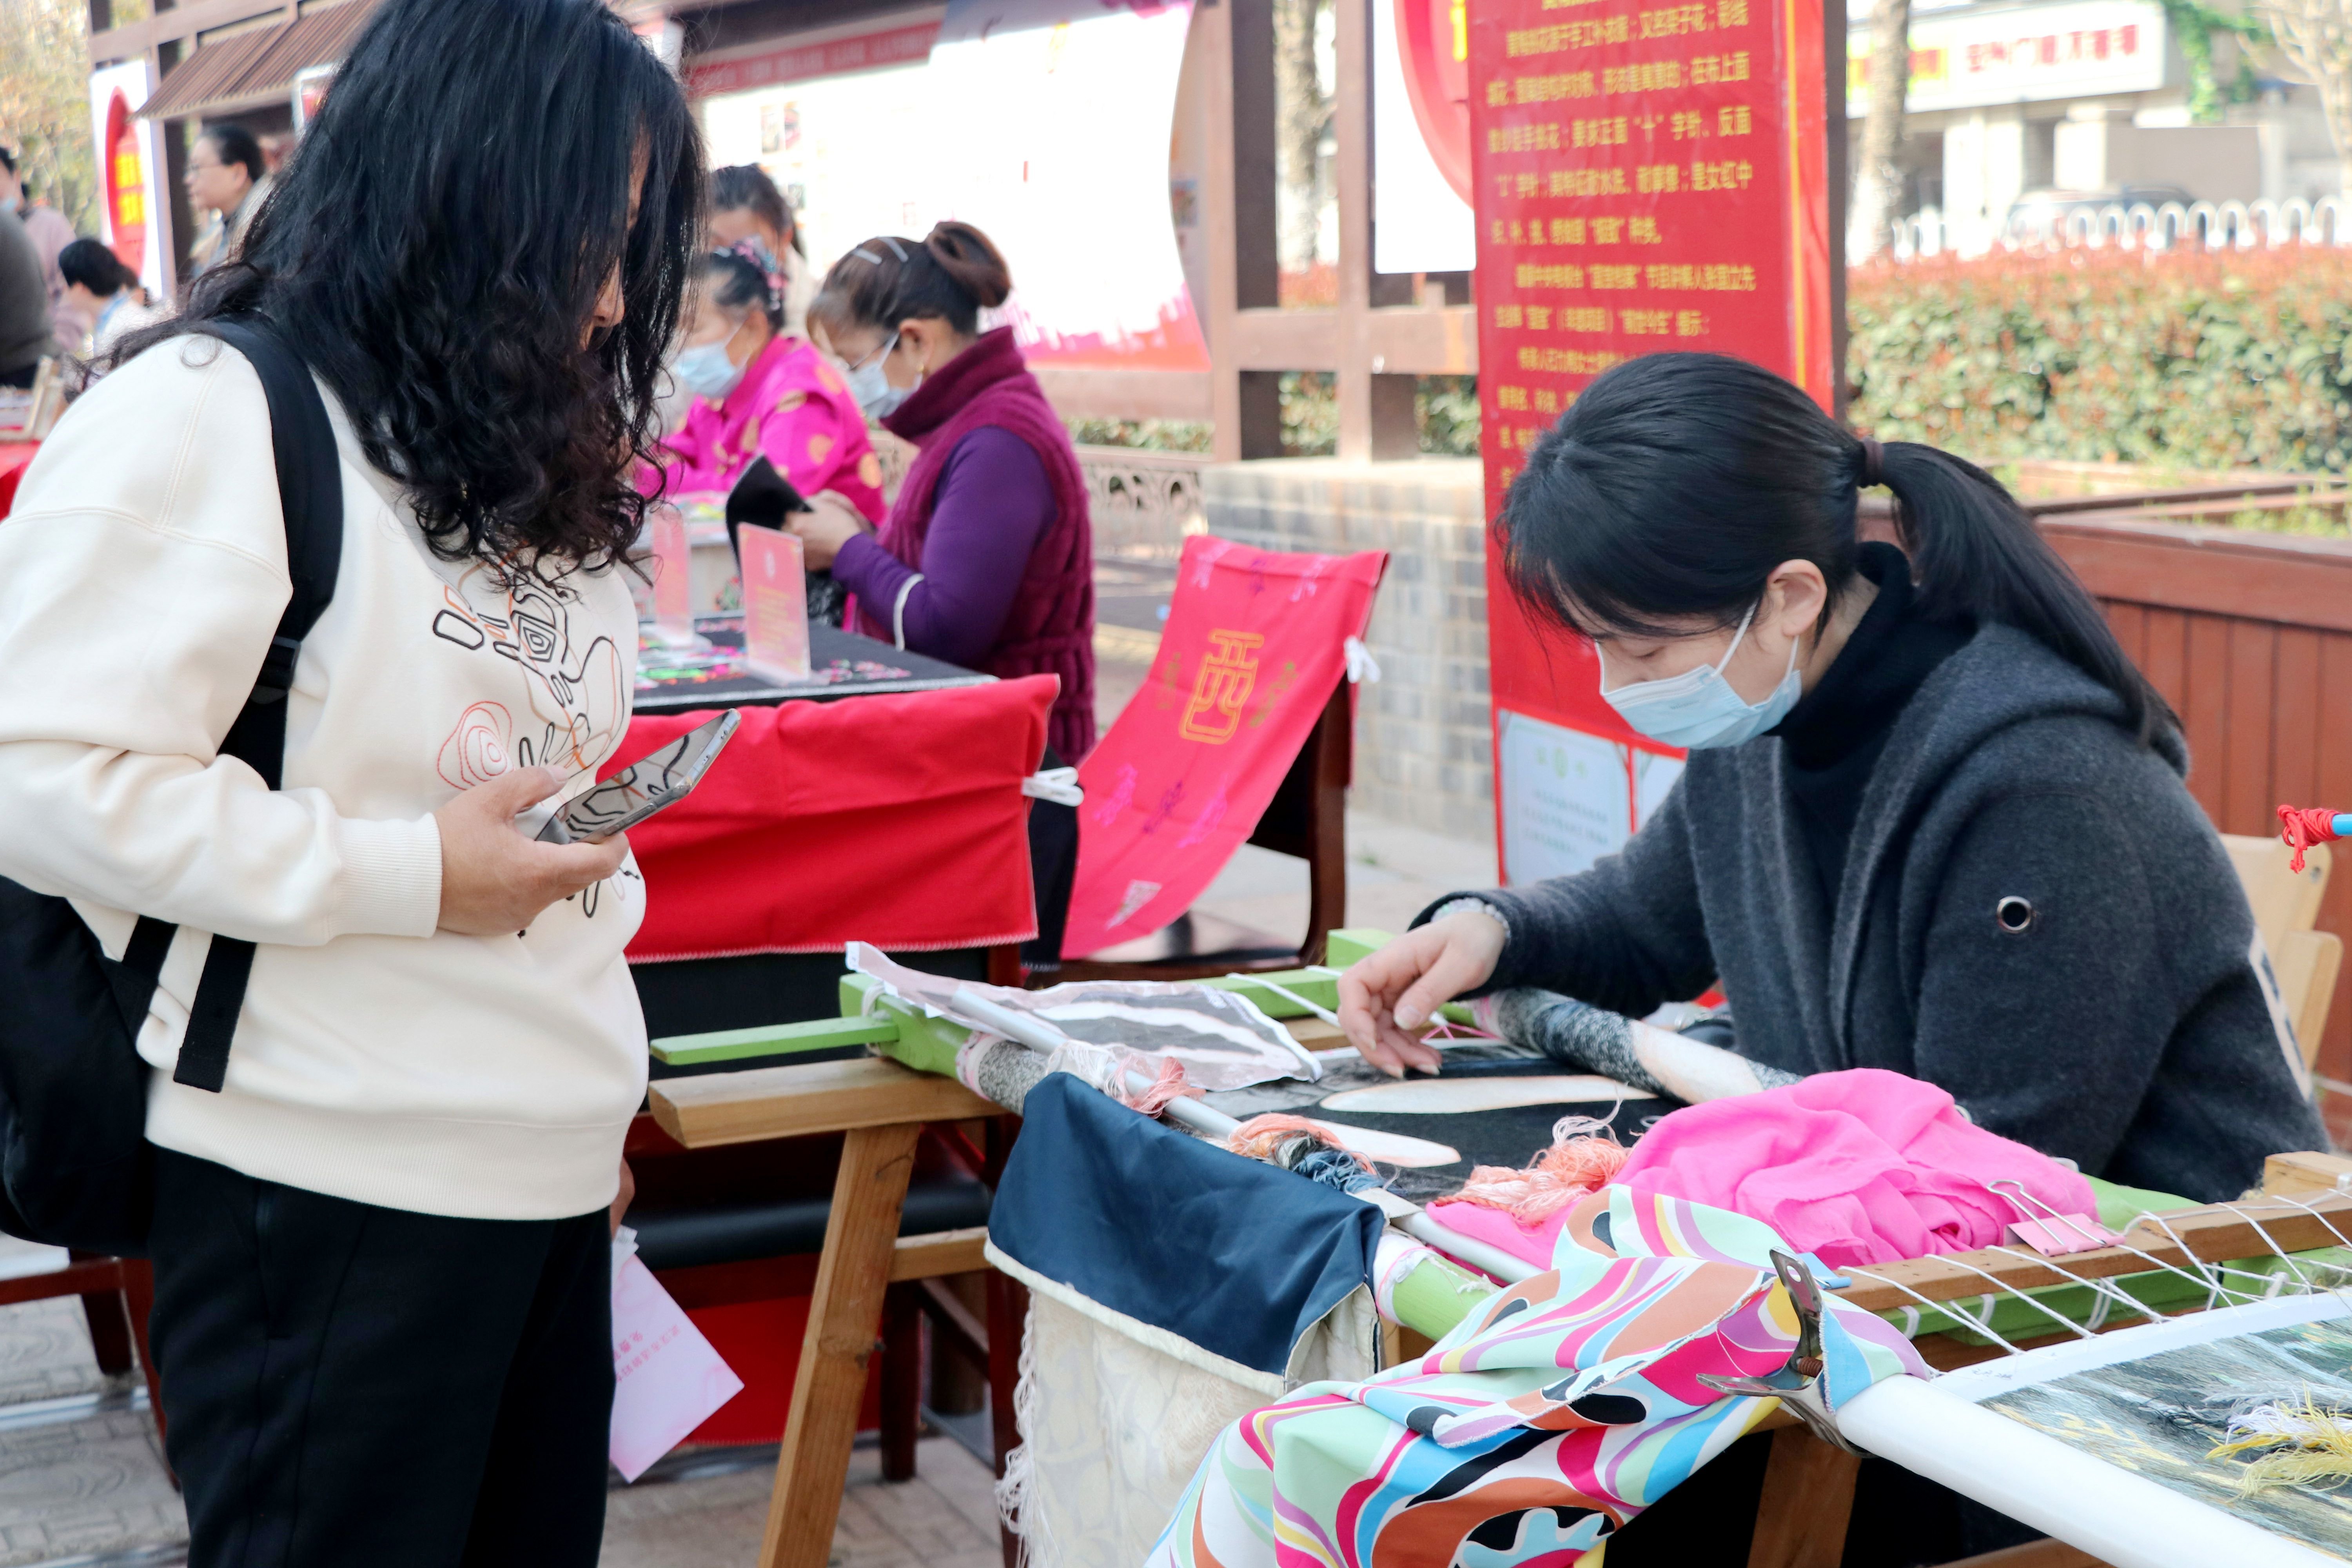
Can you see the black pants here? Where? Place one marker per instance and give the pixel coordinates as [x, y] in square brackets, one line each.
[351, 1387]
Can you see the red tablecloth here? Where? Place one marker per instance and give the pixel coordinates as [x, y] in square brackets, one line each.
[897, 820]
[14, 457]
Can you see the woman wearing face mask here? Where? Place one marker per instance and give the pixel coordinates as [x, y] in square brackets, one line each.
[987, 559]
[1933, 818]
[760, 393]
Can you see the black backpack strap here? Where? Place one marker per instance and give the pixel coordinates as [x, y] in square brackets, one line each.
[133, 979]
[310, 493]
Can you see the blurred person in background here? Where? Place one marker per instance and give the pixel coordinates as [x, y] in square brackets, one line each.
[50, 232]
[105, 293]
[228, 177]
[27, 333]
[746, 204]
[758, 390]
[987, 559]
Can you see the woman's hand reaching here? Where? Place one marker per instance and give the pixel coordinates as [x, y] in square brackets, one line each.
[1386, 1000]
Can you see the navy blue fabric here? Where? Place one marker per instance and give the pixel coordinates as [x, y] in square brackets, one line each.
[1237, 1256]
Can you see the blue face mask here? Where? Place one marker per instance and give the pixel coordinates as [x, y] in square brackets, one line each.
[706, 372]
[1698, 709]
[872, 389]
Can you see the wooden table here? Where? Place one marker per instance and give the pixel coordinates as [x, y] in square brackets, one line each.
[882, 1107]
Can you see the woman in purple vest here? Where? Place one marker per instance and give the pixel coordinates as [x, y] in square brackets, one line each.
[986, 559]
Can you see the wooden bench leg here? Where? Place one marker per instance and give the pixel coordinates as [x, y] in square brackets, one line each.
[109, 1324]
[844, 1315]
[902, 1381]
[1808, 1497]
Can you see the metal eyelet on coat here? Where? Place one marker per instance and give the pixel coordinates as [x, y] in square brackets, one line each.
[2014, 915]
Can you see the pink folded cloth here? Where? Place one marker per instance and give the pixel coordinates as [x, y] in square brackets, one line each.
[1862, 1166]
[1497, 1228]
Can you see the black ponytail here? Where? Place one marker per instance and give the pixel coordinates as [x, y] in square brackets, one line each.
[1976, 554]
[1676, 482]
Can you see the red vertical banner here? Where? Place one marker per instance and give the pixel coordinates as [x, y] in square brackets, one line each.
[1648, 176]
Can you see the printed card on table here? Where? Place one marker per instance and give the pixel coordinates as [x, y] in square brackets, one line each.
[666, 1379]
[775, 604]
[673, 565]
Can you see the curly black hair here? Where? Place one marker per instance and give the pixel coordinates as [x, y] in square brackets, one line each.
[436, 245]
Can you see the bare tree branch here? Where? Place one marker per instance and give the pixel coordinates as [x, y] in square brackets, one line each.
[2317, 34]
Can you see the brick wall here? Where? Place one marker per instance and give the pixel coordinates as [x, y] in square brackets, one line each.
[1423, 754]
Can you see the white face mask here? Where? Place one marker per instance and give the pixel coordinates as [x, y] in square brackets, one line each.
[1698, 709]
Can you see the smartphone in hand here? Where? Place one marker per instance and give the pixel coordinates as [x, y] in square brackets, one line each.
[660, 778]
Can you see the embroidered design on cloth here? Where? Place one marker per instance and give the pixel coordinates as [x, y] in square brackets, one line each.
[1543, 1423]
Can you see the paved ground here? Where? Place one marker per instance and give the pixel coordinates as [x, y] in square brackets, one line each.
[944, 1518]
[82, 1479]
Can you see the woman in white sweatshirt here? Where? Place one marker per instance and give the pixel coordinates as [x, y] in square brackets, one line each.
[382, 1310]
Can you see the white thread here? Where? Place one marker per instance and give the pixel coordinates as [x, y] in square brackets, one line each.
[1289, 996]
[2102, 1291]
[2342, 1240]
[2069, 1324]
[1014, 1501]
[2208, 1275]
[2071, 1222]
[2297, 1268]
[2214, 1288]
[1949, 1308]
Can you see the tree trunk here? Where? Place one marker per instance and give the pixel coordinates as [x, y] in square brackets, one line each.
[1878, 181]
[1301, 113]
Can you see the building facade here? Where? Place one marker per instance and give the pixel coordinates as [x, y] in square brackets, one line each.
[2009, 103]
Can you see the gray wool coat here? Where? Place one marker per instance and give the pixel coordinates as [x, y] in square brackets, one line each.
[2131, 1026]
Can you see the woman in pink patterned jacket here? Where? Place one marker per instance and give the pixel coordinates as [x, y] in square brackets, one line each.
[757, 392]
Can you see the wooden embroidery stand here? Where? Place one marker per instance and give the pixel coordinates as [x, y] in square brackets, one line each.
[1807, 1494]
[882, 1107]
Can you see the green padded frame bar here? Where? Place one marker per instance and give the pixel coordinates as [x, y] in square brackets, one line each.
[928, 1045]
[773, 1040]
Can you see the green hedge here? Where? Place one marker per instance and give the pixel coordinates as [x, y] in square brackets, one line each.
[2192, 360]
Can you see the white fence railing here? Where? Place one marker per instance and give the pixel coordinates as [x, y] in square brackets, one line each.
[2213, 225]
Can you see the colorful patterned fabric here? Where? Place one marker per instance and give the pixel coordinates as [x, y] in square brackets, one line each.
[1550, 1418]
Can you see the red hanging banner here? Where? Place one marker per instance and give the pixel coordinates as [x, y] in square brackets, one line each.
[1255, 642]
[1648, 176]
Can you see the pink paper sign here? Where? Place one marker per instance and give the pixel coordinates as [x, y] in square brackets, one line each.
[775, 604]
[673, 566]
[666, 1379]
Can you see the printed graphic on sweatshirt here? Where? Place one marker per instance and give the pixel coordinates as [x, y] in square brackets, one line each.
[576, 691]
